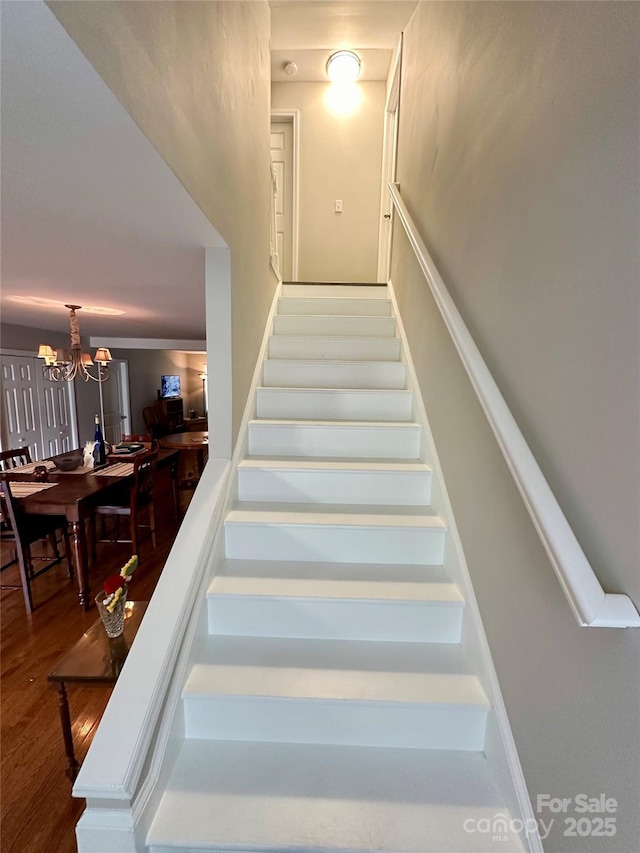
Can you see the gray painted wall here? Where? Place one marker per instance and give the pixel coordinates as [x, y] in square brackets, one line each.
[340, 158]
[518, 158]
[145, 369]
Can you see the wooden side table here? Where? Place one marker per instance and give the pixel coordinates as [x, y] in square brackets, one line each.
[94, 660]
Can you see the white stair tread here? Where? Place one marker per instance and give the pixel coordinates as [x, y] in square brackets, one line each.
[314, 424]
[398, 573]
[335, 515]
[294, 798]
[364, 290]
[400, 393]
[335, 305]
[432, 674]
[368, 463]
[338, 465]
[333, 362]
[340, 589]
[313, 654]
[275, 682]
[339, 339]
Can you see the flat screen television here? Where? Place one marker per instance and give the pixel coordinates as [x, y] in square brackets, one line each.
[170, 386]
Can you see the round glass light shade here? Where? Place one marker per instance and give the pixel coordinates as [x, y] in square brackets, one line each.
[343, 67]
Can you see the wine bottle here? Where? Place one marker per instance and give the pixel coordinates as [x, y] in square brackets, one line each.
[99, 452]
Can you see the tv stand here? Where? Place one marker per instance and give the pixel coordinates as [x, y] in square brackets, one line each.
[170, 413]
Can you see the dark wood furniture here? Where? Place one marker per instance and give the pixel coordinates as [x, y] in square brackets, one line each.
[10, 459]
[75, 497]
[145, 438]
[193, 448]
[94, 660]
[196, 424]
[131, 499]
[20, 533]
[170, 411]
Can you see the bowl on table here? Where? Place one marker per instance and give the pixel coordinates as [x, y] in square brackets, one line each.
[68, 461]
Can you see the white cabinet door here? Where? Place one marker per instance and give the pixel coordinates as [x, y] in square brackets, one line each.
[36, 413]
[20, 410]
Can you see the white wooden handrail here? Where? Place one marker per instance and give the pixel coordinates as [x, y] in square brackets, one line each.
[591, 605]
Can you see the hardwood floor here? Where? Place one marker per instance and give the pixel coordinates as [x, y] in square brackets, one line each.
[38, 813]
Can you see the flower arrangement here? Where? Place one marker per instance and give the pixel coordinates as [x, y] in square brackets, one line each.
[116, 585]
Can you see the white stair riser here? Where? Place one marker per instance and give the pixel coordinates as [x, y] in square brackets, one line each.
[334, 306]
[284, 324]
[315, 440]
[318, 543]
[338, 722]
[334, 619]
[338, 405]
[337, 486]
[370, 349]
[355, 291]
[300, 374]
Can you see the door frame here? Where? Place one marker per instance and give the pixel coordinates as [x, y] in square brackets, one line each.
[293, 117]
[122, 365]
[389, 157]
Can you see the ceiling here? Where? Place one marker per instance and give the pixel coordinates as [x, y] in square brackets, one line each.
[91, 214]
[308, 32]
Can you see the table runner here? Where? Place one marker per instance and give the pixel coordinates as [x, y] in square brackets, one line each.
[24, 490]
[120, 469]
[30, 467]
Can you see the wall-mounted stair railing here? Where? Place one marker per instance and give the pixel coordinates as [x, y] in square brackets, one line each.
[591, 605]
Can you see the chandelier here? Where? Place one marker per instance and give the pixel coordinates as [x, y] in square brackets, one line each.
[63, 365]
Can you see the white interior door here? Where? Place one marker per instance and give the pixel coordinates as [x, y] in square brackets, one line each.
[282, 159]
[389, 155]
[36, 413]
[56, 415]
[20, 413]
[115, 402]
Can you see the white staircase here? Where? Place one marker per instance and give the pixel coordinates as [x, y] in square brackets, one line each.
[332, 707]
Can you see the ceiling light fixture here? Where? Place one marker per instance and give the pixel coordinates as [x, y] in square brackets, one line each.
[343, 67]
[64, 365]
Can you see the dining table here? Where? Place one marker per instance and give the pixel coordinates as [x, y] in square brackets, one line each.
[188, 443]
[75, 494]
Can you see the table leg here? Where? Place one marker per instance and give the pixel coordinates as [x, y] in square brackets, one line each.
[67, 733]
[175, 489]
[82, 572]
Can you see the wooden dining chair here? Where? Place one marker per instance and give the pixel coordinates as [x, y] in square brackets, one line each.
[130, 501]
[10, 459]
[20, 532]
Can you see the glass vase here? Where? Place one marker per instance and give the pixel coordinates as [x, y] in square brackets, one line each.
[113, 622]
